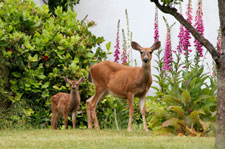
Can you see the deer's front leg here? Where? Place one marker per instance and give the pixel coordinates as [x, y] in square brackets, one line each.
[142, 110]
[131, 110]
[65, 120]
[74, 119]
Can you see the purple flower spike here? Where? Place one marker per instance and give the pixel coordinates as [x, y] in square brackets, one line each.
[186, 33]
[199, 27]
[156, 33]
[117, 46]
[168, 54]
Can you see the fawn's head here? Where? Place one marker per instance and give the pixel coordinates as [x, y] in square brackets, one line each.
[74, 85]
[146, 53]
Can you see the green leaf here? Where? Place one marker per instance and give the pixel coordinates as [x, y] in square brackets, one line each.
[90, 55]
[28, 112]
[200, 98]
[170, 98]
[46, 85]
[172, 122]
[41, 76]
[45, 94]
[34, 58]
[186, 98]
[16, 74]
[18, 96]
[108, 46]
[194, 115]
[178, 110]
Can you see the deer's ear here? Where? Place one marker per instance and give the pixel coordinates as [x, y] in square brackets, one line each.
[156, 45]
[81, 80]
[67, 80]
[136, 46]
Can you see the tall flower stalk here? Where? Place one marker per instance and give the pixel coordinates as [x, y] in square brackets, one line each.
[187, 35]
[156, 26]
[124, 54]
[129, 39]
[200, 28]
[117, 46]
[168, 53]
[180, 36]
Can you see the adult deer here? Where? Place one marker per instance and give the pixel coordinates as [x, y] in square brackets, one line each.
[122, 81]
[64, 103]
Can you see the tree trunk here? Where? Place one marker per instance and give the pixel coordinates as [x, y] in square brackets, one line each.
[220, 117]
[219, 59]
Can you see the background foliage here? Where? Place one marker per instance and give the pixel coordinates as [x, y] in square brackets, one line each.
[37, 49]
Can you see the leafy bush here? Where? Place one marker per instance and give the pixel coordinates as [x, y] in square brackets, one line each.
[187, 101]
[37, 50]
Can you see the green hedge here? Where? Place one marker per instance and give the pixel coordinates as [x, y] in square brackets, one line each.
[36, 50]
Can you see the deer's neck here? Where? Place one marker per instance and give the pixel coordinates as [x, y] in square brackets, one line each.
[146, 71]
[74, 100]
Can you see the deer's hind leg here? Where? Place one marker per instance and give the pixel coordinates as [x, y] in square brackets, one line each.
[130, 99]
[54, 120]
[90, 119]
[92, 103]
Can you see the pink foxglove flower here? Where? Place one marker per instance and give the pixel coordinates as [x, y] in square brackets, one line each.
[124, 54]
[156, 33]
[186, 35]
[181, 35]
[199, 27]
[181, 38]
[168, 52]
[117, 46]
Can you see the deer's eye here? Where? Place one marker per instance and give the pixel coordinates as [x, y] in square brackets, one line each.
[141, 52]
[150, 52]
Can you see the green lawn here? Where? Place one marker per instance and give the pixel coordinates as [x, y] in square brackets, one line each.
[105, 139]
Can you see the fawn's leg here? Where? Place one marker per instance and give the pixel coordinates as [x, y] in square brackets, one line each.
[65, 115]
[74, 119]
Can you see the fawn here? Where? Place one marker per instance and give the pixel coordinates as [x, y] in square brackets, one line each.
[64, 103]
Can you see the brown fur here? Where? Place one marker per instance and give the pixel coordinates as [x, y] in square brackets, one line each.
[64, 103]
[122, 81]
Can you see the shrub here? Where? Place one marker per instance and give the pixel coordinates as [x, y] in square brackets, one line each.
[37, 49]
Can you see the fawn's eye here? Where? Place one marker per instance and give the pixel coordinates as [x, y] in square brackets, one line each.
[141, 52]
[150, 52]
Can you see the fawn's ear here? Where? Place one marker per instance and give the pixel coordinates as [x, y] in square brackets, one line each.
[156, 45]
[67, 80]
[81, 80]
[136, 46]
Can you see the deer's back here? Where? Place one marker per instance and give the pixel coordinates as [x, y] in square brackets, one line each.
[60, 100]
[117, 78]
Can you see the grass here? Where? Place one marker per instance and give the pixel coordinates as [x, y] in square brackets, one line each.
[103, 139]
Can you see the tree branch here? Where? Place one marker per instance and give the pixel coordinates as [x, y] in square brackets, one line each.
[173, 11]
[45, 2]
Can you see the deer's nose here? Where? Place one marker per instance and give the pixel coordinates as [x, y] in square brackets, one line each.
[145, 59]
